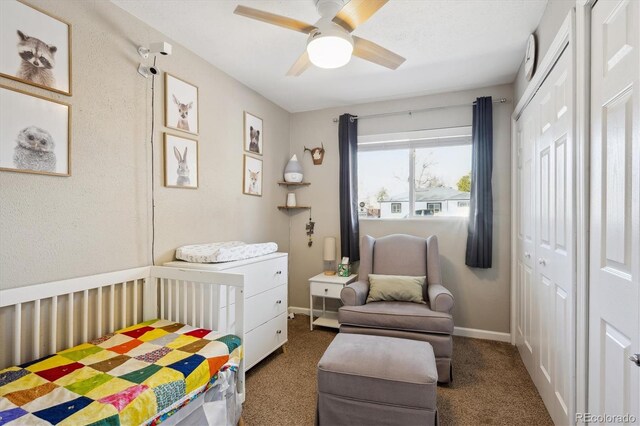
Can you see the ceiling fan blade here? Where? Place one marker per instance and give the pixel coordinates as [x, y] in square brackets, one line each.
[300, 66]
[375, 53]
[356, 12]
[272, 18]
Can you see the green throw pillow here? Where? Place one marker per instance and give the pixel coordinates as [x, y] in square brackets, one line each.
[395, 287]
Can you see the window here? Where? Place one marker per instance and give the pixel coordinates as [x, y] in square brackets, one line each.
[415, 174]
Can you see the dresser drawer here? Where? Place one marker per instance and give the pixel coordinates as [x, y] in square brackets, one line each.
[262, 276]
[264, 339]
[262, 307]
[326, 290]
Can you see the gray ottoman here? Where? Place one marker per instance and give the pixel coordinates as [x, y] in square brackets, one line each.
[375, 380]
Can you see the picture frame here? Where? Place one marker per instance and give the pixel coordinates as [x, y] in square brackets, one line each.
[252, 176]
[253, 136]
[181, 162]
[181, 105]
[35, 134]
[25, 28]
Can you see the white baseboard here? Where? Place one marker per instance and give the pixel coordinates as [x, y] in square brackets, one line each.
[457, 331]
[482, 334]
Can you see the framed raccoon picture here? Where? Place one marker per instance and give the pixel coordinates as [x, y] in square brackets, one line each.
[180, 162]
[252, 176]
[253, 136]
[35, 47]
[35, 134]
[180, 104]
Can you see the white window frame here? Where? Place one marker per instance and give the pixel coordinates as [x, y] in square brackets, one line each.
[399, 205]
[429, 138]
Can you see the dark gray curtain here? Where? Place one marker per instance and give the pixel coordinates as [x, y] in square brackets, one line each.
[349, 225]
[479, 238]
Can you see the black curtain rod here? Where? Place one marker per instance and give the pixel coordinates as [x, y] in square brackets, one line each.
[409, 112]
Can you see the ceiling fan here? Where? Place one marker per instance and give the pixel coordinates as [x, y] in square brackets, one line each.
[330, 43]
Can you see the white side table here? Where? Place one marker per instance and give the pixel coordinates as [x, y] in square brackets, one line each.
[326, 286]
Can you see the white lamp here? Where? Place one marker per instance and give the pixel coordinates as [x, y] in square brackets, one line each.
[329, 255]
[330, 46]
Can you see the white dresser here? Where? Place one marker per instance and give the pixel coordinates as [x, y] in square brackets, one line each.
[265, 305]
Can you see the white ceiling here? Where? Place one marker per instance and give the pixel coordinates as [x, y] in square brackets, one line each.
[449, 45]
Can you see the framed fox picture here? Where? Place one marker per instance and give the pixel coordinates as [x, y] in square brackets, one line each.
[252, 176]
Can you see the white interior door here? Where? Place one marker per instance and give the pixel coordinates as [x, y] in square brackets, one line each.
[526, 142]
[545, 321]
[554, 242]
[614, 271]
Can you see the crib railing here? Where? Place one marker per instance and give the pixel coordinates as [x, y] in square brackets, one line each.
[49, 317]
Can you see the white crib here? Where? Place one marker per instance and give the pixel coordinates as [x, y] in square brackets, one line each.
[45, 318]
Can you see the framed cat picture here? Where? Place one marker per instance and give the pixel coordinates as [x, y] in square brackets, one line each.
[35, 47]
[253, 135]
[35, 134]
[180, 104]
[180, 162]
[252, 176]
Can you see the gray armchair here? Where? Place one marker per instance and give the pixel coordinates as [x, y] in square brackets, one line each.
[432, 322]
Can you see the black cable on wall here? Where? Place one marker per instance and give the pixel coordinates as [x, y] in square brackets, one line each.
[153, 160]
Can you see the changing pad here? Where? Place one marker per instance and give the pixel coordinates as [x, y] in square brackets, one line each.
[223, 252]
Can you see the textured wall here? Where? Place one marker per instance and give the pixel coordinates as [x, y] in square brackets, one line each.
[482, 296]
[554, 15]
[98, 219]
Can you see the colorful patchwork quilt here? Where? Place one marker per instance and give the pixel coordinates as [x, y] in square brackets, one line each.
[133, 376]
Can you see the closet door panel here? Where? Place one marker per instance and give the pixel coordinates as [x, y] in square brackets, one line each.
[614, 251]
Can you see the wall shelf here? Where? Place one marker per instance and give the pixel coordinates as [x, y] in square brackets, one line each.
[294, 183]
[294, 208]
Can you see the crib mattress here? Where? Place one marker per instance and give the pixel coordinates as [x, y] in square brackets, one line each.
[224, 252]
[134, 376]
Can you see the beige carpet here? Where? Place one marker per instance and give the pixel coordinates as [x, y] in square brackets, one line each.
[490, 383]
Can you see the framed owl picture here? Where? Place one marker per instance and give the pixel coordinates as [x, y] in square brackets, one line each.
[35, 47]
[35, 134]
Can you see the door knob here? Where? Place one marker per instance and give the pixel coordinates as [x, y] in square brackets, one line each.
[635, 358]
[279, 332]
[278, 301]
[542, 261]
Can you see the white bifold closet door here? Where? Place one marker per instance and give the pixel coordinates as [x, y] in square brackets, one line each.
[614, 263]
[545, 319]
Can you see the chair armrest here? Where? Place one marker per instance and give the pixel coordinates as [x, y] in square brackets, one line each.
[355, 293]
[441, 299]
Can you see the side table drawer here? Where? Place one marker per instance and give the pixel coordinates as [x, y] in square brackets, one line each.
[326, 290]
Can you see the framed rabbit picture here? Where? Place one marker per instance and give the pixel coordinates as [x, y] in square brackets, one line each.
[35, 47]
[180, 104]
[180, 162]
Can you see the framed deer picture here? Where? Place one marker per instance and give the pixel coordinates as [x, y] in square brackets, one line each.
[252, 177]
[180, 104]
[180, 162]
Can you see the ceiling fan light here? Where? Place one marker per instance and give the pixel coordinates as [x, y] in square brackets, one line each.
[330, 51]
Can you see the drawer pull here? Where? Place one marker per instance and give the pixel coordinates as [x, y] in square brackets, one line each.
[278, 301]
[279, 332]
[326, 290]
[279, 273]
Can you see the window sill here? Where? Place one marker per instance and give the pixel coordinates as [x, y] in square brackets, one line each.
[416, 219]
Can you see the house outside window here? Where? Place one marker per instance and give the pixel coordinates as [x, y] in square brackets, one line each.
[415, 174]
[435, 207]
